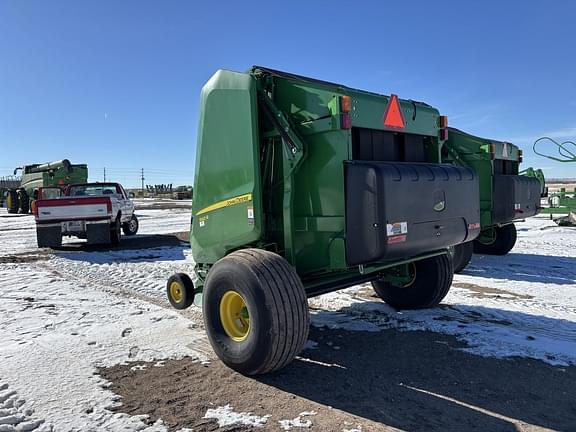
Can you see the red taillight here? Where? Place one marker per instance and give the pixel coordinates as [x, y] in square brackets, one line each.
[345, 121]
[443, 122]
[443, 134]
[345, 104]
[109, 206]
[492, 151]
[34, 206]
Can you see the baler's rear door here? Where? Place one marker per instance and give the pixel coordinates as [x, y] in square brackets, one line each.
[399, 210]
[227, 211]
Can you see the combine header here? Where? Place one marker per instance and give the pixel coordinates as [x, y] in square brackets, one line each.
[53, 174]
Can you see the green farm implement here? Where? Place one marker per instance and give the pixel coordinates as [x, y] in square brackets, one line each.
[7, 183]
[505, 195]
[561, 204]
[53, 174]
[304, 187]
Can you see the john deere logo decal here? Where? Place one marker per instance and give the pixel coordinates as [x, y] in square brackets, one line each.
[439, 206]
[439, 201]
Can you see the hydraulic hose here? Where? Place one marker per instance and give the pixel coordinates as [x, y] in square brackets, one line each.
[565, 155]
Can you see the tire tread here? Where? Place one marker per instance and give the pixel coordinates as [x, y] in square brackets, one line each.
[288, 298]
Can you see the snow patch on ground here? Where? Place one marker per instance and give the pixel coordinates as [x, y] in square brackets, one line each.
[15, 415]
[155, 202]
[357, 429]
[142, 271]
[226, 416]
[166, 221]
[55, 333]
[298, 422]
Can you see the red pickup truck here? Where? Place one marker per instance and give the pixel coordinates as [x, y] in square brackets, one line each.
[93, 211]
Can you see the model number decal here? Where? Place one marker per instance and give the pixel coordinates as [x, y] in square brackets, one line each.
[226, 203]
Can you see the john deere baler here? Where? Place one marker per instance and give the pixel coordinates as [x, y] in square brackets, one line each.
[505, 196]
[303, 187]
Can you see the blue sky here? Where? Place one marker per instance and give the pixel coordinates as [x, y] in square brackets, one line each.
[116, 84]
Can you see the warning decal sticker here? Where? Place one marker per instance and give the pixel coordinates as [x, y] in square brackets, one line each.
[250, 215]
[397, 239]
[397, 228]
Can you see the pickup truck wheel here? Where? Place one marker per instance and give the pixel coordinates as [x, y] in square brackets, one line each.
[130, 227]
[180, 290]
[255, 311]
[12, 201]
[24, 201]
[115, 232]
[430, 284]
[502, 243]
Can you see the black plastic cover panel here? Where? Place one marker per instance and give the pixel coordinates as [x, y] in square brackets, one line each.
[515, 197]
[386, 146]
[398, 210]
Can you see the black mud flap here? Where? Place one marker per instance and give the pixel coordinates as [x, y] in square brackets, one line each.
[49, 236]
[97, 233]
[514, 197]
[396, 210]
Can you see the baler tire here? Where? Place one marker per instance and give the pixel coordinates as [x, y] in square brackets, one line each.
[433, 278]
[12, 201]
[115, 232]
[255, 311]
[462, 256]
[131, 227]
[24, 201]
[180, 291]
[503, 243]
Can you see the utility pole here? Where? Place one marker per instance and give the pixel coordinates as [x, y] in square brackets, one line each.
[104, 174]
[142, 178]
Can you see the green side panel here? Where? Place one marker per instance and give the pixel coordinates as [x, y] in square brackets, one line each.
[225, 216]
[319, 204]
[484, 171]
[473, 151]
[318, 184]
[420, 119]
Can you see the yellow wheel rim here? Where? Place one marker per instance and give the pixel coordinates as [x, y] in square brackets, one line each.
[176, 292]
[234, 316]
[8, 201]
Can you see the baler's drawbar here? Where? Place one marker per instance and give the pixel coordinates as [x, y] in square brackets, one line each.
[303, 187]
